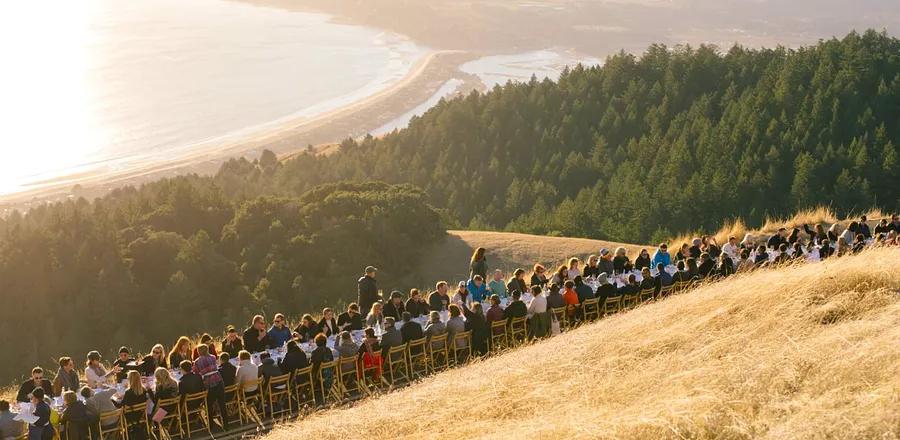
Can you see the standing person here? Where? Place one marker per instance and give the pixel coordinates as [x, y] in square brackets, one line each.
[279, 333]
[497, 286]
[416, 305]
[439, 301]
[232, 344]
[327, 324]
[41, 429]
[256, 339]
[367, 289]
[351, 319]
[538, 276]
[37, 381]
[207, 368]
[478, 264]
[394, 308]
[66, 377]
[181, 351]
[10, 428]
[477, 289]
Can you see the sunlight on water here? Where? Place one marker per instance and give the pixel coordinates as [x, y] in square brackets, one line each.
[100, 85]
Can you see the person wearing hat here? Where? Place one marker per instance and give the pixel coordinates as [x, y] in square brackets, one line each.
[606, 262]
[395, 308]
[605, 290]
[367, 289]
[462, 294]
[391, 336]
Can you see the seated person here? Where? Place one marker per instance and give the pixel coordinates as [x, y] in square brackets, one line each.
[410, 330]
[351, 319]
[294, 359]
[394, 307]
[267, 368]
[9, 427]
[279, 333]
[207, 340]
[416, 305]
[66, 377]
[74, 419]
[308, 329]
[346, 346]
[227, 370]
[327, 324]
[647, 280]
[516, 308]
[434, 327]
[247, 373]
[190, 383]
[232, 344]
[37, 381]
[391, 336]
[124, 363]
[100, 403]
[606, 289]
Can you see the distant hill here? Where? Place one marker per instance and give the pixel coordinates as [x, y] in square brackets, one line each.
[809, 351]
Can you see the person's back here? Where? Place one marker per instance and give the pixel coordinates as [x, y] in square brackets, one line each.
[269, 369]
[455, 325]
[76, 421]
[411, 330]
[100, 403]
[555, 300]
[606, 290]
[293, 361]
[247, 373]
[228, 373]
[435, 328]
[190, 383]
[584, 292]
[9, 427]
[515, 309]
[391, 338]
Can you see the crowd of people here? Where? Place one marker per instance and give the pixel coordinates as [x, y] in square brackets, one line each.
[479, 301]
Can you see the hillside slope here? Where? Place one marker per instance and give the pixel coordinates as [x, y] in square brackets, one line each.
[799, 352]
[506, 251]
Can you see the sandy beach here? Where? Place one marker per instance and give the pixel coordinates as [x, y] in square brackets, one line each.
[353, 120]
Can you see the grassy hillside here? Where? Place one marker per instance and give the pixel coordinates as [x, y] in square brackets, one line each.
[811, 351]
[506, 251]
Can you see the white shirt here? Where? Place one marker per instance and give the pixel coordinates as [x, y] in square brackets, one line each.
[572, 273]
[538, 304]
[248, 373]
[94, 380]
[730, 250]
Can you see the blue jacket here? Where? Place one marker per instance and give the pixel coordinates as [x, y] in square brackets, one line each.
[479, 294]
[277, 337]
[661, 257]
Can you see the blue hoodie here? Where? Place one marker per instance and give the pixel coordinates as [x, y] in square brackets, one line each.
[479, 294]
[277, 337]
[661, 257]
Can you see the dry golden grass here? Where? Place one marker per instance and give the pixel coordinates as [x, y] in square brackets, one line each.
[810, 351]
[507, 251]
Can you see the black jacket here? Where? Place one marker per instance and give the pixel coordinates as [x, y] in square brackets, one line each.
[584, 292]
[351, 322]
[411, 331]
[606, 291]
[438, 303]
[28, 386]
[191, 383]
[642, 262]
[516, 284]
[293, 361]
[307, 333]
[481, 331]
[416, 308]
[395, 311]
[535, 281]
[251, 343]
[227, 371]
[621, 264]
[76, 421]
[706, 268]
[515, 309]
[590, 271]
[775, 241]
[325, 329]
[232, 348]
[367, 293]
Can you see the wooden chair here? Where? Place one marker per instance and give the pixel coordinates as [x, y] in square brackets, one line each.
[559, 313]
[629, 301]
[646, 294]
[396, 368]
[499, 338]
[417, 356]
[173, 416]
[278, 390]
[251, 403]
[328, 373]
[195, 405]
[518, 331]
[461, 348]
[612, 305]
[438, 353]
[115, 430]
[142, 421]
[233, 403]
[664, 291]
[304, 389]
[349, 378]
[591, 309]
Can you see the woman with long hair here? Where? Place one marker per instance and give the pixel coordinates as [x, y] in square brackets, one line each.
[560, 275]
[181, 351]
[165, 388]
[538, 276]
[478, 264]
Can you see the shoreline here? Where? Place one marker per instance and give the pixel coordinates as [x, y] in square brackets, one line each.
[284, 139]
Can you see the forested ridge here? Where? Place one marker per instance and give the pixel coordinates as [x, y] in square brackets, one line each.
[638, 149]
[676, 139]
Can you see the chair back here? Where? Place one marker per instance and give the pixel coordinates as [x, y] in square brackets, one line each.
[612, 304]
[139, 413]
[172, 407]
[461, 347]
[304, 391]
[647, 294]
[416, 348]
[591, 309]
[438, 352]
[114, 423]
[518, 331]
[195, 405]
